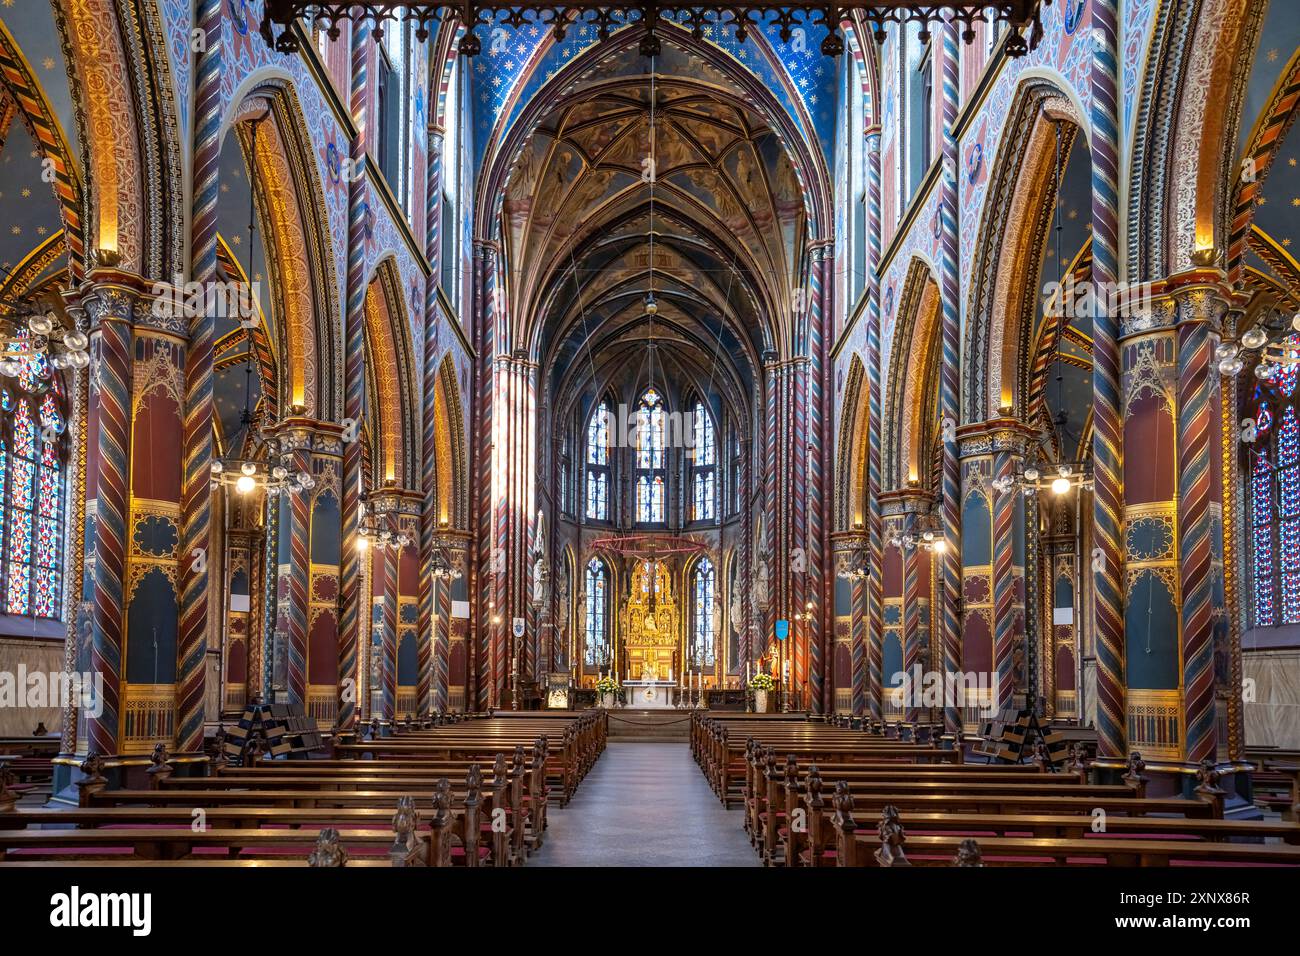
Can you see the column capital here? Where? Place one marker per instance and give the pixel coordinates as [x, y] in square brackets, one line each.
[906, 501]
[299, 433]
[389, 499]
[993, 436]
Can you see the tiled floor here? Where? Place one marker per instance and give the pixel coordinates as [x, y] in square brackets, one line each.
[645, 804]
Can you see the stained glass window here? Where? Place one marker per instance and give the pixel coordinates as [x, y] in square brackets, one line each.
[703, 645]
[31, 488]
[596, 651]
[651, 482]
[703, 465]
[598, 464]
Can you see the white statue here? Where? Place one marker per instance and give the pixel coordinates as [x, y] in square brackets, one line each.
[737, 610]
[539, 561]
[760, 584]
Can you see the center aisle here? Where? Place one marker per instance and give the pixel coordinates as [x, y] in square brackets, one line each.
[645, 804]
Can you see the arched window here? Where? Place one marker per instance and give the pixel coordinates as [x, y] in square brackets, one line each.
[703, 645]
[598, 464]
[651, 488]
[596, 646]
[1275, 500]
[704, 465]
[31, 487]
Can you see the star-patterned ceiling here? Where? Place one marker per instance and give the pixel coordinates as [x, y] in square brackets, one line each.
[29, 212]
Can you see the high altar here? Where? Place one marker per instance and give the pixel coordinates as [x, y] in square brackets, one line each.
[650, 625]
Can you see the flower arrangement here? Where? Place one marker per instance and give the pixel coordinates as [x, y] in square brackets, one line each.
[606, 685]
[761, 681]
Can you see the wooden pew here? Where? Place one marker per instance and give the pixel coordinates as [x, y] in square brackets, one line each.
[405, 843]
[889, 845]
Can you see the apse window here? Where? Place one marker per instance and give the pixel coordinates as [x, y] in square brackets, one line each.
[598, 464]
[595, 653]
[651, 486]
[704, 465]
[704, 644]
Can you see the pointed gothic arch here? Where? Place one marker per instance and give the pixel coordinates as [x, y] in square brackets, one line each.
[911, 393]
[1009, 251]
[300, 259]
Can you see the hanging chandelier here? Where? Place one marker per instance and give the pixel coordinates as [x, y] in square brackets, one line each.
[375, 529]
[1277, 349]
[927, 540]
[701, 18]
[1059, 478]
[249, 476]
[30, 332]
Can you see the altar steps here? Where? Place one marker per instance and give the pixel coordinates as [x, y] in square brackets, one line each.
[665, 726]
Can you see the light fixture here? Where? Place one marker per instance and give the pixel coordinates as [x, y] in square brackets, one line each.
[1064, 477]
[244, 484]
[374, 527]
[921, 532]
[30, 331]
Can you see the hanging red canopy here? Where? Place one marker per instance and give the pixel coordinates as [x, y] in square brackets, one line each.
[648, 546]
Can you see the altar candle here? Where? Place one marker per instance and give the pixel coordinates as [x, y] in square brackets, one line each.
[746, 672]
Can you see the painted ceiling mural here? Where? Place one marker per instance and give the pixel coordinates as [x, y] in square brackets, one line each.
[516, 63]
[720, 239]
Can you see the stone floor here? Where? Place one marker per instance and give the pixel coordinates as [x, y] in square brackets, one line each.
[644, 804]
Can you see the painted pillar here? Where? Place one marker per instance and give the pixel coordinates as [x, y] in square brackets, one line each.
[870, 689]
[1060, 609]
[1153, 662]
[912, 579]
[977, 557]
[1206, 650]
[109, 304]
[396, 589]
[949, 562]
[1010, 649]
[196, 502]
[1107, 559]
[818, 437]
[350, 626]
[433, 686]
[154, 657]
[309, 563]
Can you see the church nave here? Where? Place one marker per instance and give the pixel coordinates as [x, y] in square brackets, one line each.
[645, 803]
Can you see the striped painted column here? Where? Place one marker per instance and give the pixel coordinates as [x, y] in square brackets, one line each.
[428, 629]
[1235, 577]
[351, 625]
[386, 562]
[1200, 312]
[875, 536]
[746, 642]
[109, 309]
[912, 590]
[947, 616]
[196, 492]
[818, 582]
[270, 605]
[1107, 559]
[479, 686]
[977, 556]
[298, 533]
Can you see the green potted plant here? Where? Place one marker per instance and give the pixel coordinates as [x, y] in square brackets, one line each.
[606, 687]
[761, 683]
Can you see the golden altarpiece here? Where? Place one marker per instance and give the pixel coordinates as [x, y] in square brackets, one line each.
[650, 624]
